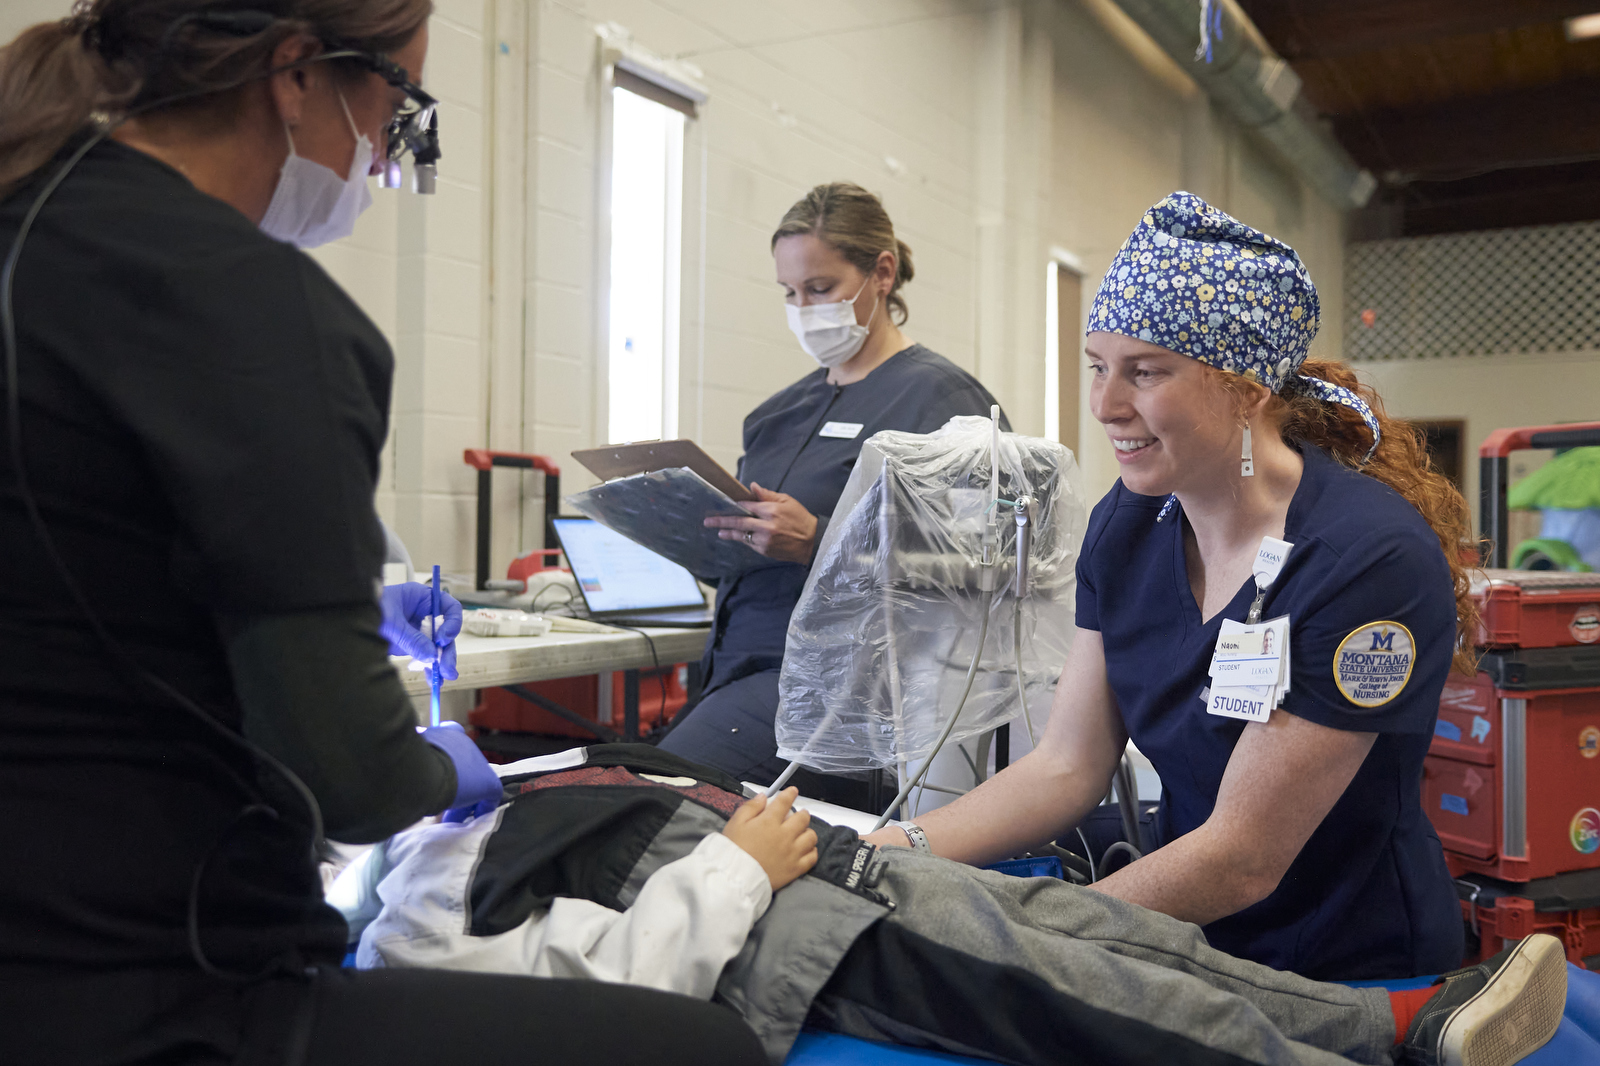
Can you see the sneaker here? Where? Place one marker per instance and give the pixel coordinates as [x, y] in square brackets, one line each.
[1496, 1012]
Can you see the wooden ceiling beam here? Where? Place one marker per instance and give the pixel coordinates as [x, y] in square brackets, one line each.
[1322, 29]
[1534, 196]
[1553, 205]
[1547, 125]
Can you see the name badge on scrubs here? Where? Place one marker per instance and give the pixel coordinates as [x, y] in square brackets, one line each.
[1251, 666]
[1250, 655]
[1249, 670]
[842, 430]
[1250, 704]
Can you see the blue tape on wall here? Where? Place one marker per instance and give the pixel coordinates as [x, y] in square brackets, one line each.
[1447, 730]
[1453, 804]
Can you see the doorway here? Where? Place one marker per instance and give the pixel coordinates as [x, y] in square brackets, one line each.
[1063, 363]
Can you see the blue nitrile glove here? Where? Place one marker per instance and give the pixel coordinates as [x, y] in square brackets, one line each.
[404, 609]
[478, 788]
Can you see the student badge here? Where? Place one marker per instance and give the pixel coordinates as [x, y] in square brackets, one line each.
[1374, 663]
[1250, 667]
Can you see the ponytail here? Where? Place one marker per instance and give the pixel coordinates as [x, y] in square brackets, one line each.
[903, 272]
[51, 83]
[1401, 462]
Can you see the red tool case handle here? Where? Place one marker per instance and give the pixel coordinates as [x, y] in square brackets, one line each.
[1494, 474]
[483, 459]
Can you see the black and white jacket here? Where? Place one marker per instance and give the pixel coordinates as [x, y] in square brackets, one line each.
[609, 864]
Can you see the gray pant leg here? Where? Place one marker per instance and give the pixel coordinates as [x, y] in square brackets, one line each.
[1135, 963]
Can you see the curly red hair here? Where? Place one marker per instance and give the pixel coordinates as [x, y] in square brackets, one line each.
[1401, 462]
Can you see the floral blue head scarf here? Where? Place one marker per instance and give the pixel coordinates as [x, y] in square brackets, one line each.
[1201, 283]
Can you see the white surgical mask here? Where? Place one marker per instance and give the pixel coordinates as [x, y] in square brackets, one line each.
[829, 333]
[313, 205]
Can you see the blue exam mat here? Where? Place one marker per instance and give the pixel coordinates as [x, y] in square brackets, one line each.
[1576, 1043]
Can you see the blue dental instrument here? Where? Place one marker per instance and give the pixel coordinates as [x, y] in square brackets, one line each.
[435, 676]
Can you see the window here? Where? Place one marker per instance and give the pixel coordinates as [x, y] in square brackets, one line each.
[646, 222]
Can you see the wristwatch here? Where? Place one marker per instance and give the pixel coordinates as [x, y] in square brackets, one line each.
[919, 839]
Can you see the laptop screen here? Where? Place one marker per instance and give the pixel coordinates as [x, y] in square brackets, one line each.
[616, 574]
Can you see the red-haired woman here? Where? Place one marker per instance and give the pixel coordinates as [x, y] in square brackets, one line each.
[1261, 493]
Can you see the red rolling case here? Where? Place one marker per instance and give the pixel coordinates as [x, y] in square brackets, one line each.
[1512, 779]
[1566, 906]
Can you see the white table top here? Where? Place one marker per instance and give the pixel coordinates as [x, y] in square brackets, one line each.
[485, 662]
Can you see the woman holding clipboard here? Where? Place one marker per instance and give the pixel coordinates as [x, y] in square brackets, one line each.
[841, 268]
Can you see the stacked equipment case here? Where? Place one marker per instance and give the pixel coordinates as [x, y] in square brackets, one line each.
[1512, 779]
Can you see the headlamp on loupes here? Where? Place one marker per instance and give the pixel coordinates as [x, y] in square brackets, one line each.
[414, 128]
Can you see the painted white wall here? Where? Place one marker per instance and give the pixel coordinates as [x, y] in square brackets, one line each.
[1129, 127]
[419, 267]
[18, 15]
[1489, 393]
[993, 130]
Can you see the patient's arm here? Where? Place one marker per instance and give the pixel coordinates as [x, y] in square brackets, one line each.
[1047, 792]
[354, 893]
[691, 917]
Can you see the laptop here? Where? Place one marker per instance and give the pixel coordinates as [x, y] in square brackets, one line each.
[626, 583]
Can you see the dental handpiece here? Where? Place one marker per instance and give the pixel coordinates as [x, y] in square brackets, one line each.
[1024, 509]
[435, 676]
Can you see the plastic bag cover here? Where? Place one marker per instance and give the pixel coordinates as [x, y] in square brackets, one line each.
[879, 645]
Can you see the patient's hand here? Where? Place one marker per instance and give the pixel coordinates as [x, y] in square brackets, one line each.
[777, 837]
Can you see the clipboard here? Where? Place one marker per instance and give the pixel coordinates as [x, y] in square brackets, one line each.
[662, 509]
[625, 460]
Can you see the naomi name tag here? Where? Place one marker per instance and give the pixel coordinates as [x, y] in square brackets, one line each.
[1249, 670]
[1250, 655]
[842, 430]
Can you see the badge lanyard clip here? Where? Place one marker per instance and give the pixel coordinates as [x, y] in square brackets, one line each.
[1255, 605]
[1269, 561]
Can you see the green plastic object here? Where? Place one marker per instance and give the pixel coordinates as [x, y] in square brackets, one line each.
[1542, 554]
[1569, 482]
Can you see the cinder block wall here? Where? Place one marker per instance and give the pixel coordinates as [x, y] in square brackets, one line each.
[994, 132]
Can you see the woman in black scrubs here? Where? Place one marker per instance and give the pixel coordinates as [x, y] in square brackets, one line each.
[194, 667]
[841, 269]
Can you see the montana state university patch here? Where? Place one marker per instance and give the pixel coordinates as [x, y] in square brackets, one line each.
[1374, 663]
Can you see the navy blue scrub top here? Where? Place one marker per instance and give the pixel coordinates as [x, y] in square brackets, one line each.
[914, 390]
[1369, 896]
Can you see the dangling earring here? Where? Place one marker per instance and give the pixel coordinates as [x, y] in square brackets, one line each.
[1247, 464]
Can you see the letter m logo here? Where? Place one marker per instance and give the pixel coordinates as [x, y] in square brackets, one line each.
[1383, 641]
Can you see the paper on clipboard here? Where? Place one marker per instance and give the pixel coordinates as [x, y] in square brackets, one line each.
[625, 460]
[662, 510]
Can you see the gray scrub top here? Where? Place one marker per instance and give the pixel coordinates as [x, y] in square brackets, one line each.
[914, 391]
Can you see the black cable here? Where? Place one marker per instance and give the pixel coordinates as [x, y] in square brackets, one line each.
[533, 604]
[192, 917]
[8, 335]
[655, 662]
